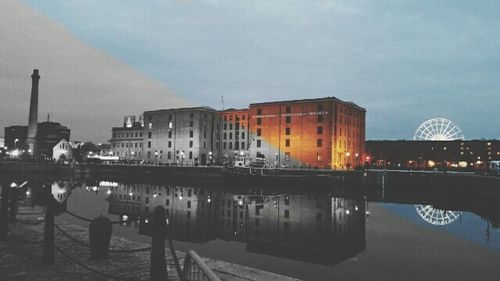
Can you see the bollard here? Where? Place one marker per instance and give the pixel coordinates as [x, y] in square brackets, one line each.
[48, 238]
[100, 230]
[4, 213]
[13, 204]
[158, 270]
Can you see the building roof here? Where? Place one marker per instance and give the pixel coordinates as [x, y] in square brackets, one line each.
[311, 100]
[197, 108]
[232, 110]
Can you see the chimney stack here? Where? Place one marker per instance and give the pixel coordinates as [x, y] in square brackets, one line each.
[33, 117]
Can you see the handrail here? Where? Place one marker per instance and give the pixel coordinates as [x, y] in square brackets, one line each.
[193, 264]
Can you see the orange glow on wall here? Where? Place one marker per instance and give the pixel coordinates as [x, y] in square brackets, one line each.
[323, 133]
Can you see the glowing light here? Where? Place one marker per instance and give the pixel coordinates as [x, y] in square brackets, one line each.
[130, 194]
[431, 163]
[209, 200]
[13, 185]
[109, 191]
[146, 221]
[108, 183]
[240, 202]
[124, 218]
[155, 195]
[347, 212]
[356, 208]
[28, 193]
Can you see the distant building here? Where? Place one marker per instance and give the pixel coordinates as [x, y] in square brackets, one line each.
[15, 137]
[234, 137]
[462, 154]
[323, 132]
[182, 136]
[62, 151]
[48, 135]
[126, 141]
[2, 142]
[317, 133]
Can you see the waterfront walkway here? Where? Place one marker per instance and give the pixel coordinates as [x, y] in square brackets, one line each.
[21, 257]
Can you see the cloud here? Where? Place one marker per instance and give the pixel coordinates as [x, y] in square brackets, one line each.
[81, 87]
[402, 60]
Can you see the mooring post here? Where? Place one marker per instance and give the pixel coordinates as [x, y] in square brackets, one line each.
[49, 239]
[13, 204]
[4, 213]
[100, 230]
[158, 271]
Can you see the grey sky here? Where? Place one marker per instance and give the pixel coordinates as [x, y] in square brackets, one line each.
[404, 61]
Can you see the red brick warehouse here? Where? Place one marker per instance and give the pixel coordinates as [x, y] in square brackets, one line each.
[323, 132]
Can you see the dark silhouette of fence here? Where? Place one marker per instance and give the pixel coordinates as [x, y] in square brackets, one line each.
[99, 236]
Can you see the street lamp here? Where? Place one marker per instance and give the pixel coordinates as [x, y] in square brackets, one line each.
[15, 143]
[348, 165]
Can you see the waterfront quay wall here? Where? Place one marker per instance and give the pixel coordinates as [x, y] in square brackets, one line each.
[209, 173]
[437, 180]
[29, 167]
[263, 177]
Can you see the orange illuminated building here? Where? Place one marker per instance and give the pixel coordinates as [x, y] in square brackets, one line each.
[234, 133]
[324, 133]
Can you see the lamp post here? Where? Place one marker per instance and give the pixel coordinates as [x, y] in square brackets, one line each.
[356, 162]
[348, 164]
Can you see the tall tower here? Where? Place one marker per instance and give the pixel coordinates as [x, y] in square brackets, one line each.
[33, 118]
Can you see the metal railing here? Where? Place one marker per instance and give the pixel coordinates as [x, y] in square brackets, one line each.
[196, 269]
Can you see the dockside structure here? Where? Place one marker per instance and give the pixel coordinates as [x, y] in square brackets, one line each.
[456, 154]
[315, 133]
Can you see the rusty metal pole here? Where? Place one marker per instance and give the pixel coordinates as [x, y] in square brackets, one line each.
[14, 191]
[4, 213]
[158, 270]
[49, 238]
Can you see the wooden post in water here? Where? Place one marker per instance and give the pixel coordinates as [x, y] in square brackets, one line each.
[4, 213]
[13, 203]
[158, 271]
[49, 239]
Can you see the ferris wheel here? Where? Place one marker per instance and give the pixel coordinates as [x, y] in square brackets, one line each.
[436, 216]
[438, 129]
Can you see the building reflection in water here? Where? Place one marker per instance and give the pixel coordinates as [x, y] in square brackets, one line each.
[309, 227]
